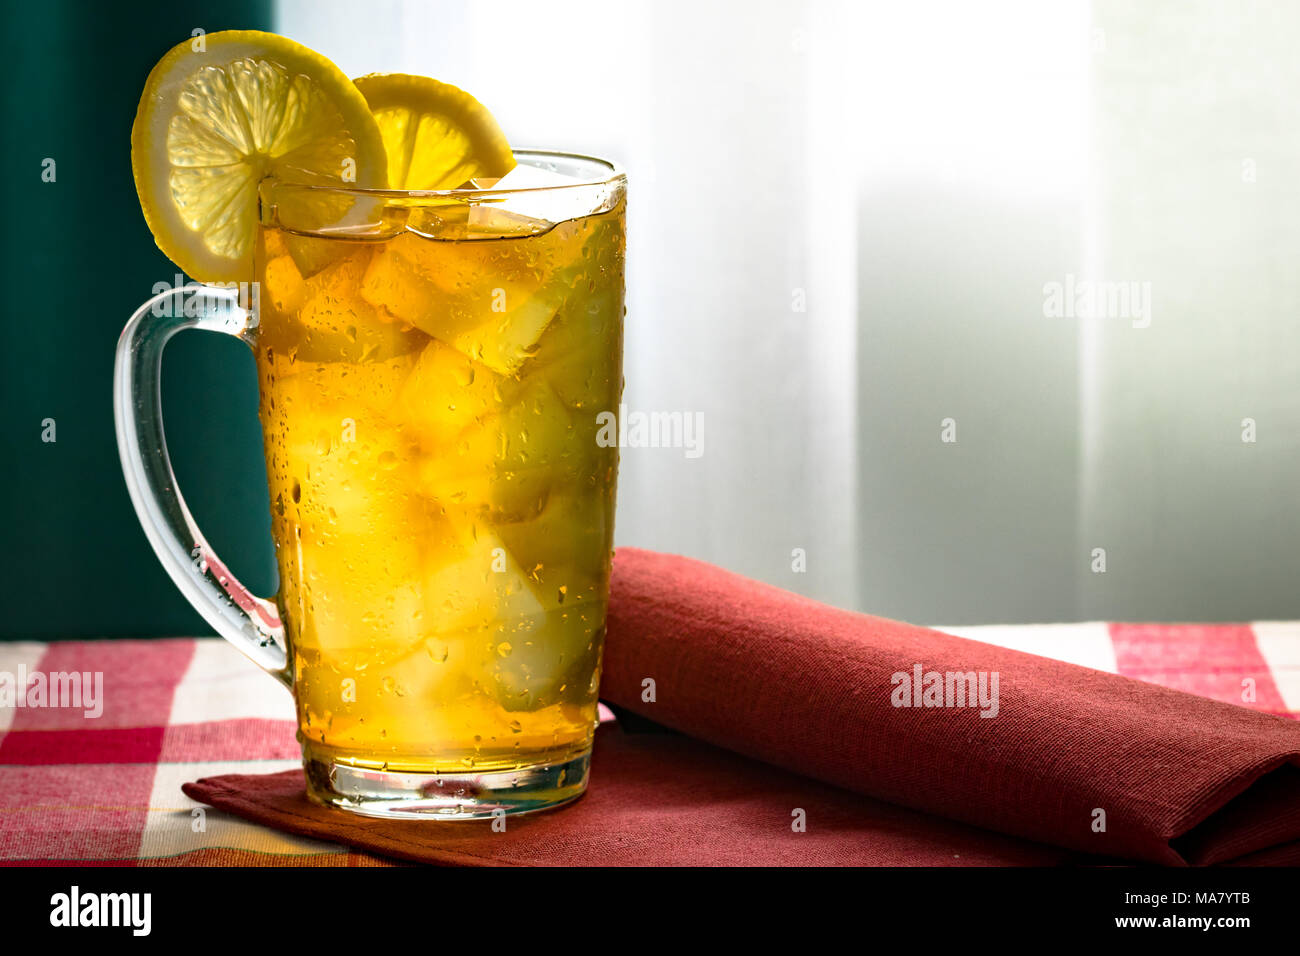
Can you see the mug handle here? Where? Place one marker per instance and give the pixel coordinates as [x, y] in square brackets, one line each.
[251, 623]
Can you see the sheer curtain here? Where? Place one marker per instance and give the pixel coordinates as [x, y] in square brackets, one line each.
[844, 221]
[741, 237]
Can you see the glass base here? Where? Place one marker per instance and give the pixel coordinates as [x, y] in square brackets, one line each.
[445, 796]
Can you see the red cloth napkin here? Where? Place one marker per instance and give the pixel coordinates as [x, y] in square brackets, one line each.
[1076, 759]
[654, 800]
[807, 687]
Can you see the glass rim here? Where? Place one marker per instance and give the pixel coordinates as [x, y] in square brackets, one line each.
[617, 176]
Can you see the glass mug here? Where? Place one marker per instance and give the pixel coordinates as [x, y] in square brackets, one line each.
[432, 368]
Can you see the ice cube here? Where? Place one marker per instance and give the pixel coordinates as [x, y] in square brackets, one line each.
[445, 394]
[550, 658]
[473, 584]
[506, 464]
[403, 280]
[285, 289]
[579, 353]
[506, 341]
[538, 200]
[565, 550]
[352, 475]
[312, 254]
[332, 321]
[355, 593]
[521, 651]
[492, 300]
[439, 220]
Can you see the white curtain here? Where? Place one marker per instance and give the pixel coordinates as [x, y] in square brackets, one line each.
[843, 220]
[742, 197]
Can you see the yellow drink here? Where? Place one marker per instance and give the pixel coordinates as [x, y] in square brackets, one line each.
[442, 510]
[437, 320]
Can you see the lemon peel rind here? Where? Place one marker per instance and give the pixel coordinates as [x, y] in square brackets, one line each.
[424, 96]
[159, 105]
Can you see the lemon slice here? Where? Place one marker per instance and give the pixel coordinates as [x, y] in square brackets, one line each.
[212, 123]
[436, 135]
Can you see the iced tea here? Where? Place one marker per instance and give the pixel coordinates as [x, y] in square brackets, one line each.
[442, 510]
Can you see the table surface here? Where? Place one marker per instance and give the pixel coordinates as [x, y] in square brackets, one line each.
[106, 788]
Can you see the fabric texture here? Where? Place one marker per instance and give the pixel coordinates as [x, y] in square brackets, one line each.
[654, 800]
[1176, 778]
[793, 691]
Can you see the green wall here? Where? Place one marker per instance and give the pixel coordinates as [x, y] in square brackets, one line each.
[78, 259]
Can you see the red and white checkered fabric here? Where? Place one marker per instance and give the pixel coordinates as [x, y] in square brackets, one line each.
[107, 789]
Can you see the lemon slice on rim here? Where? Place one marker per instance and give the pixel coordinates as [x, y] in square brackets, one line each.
[213, 122]
[436, 135]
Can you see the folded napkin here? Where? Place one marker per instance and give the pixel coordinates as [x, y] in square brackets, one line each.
[1070, 764]
[1074, 757]
[654, 799]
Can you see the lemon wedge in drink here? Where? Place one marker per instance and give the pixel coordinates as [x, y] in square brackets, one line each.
[221, 112]
[436, 135]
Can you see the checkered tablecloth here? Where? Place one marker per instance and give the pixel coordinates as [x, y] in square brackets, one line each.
[107, 789]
